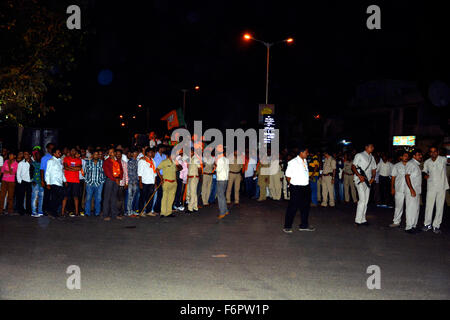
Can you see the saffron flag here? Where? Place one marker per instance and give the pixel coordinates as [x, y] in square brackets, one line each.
[174, 118]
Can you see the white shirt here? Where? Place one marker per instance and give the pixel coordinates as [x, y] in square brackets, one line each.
[222, 168]
[436, 170]
[384, 168]
[23, 172]
[366, 162]
[399, 171]
[297, 170]
[415, 175]
[1, 161]
[146, 172]
[251, 167]
[54, 174]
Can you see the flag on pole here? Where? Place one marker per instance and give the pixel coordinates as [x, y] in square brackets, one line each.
[174, 118]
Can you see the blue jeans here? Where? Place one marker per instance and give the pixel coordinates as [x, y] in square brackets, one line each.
[257, 189]
[97, 193]
[37, 193]
[250, 187]
[131, 193]
[313, 185]
[212, 196]
[221, 188]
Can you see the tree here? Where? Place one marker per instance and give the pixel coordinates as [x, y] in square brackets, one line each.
[37, 53]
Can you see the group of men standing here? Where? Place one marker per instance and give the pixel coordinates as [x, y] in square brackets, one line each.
[406, 186]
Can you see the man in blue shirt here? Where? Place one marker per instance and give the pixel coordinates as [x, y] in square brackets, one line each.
[43, 167]
[159, 156]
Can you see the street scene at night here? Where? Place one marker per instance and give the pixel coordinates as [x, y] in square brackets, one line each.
[216, 151]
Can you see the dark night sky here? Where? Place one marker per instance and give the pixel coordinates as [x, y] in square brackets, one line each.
[155, 48]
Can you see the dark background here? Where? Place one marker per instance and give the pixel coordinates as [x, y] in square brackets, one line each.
[155, 48]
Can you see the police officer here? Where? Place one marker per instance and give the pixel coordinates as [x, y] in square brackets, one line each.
[208, 171]
[437, 184]
[364, 163]
[275, 180]
[413, 177]
[399, 188]
[262, 170]
[234, 179]
[169, 185]
[328, 174]
[194, 171]
[348, 180]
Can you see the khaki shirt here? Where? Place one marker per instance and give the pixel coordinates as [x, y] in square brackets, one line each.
[208, 168]
[194, 166]
[169, 169]
[329, 165]
[348, 167]
[234, 167]
[258, 172]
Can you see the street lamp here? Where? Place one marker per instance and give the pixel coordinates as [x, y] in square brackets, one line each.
[249, 37]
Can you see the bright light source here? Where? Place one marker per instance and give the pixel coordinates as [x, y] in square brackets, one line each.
[121, 116]
[317, 116]
[247, 36]
[197, 88]
[123, 124]
[134, 117]
[139, 105]
[290, 40]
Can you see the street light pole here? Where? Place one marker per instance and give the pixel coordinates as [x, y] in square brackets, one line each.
[268, 45]
[184, 100]
[267, 72]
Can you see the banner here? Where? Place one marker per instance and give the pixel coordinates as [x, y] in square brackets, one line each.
[265, 109]
[174, 118]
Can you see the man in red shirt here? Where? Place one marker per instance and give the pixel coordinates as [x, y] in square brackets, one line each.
[72, 167]
[114, 173]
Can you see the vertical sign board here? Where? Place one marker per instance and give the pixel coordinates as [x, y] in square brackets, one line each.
[269, 128]
[265, 109]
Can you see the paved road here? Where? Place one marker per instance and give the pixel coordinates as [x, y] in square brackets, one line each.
[245, 256]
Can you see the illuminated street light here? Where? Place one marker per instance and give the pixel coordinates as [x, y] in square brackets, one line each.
[121, 116]
[248, 37]
[123, 124]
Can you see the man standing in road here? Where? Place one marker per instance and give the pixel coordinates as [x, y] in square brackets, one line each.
[297, 175]
[437, 184]
[413, 179]
[363, 164]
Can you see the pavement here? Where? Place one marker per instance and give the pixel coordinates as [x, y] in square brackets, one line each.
[244, 256]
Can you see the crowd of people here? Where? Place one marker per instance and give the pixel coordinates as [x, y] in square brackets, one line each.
[147, 181]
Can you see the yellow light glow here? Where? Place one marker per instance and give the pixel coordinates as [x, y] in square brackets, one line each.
[247, 36]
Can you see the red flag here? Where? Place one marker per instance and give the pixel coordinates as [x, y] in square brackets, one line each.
[172, 119]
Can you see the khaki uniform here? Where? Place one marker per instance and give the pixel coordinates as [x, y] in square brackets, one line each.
[275, 184]
[234, 178]
[263, 182]
[192, 183]
[169, 186]
[348, 182]
[208, 170]
[327, 186]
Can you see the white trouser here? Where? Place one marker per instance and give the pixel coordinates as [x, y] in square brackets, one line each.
[363, 194]
[412, 210]
[399, 202]
[433, 197]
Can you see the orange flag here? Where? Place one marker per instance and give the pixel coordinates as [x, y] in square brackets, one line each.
[172, 119]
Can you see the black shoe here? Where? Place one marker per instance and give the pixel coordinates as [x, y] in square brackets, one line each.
[173, 215]
[189, 212]
[365, 223]
[411, 231]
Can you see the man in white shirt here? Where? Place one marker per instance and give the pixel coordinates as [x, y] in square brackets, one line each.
[413, 178]
[398, 188]
[222, 171]
[55, 180]
[437, 184]
[23, 187]
[384, 169]
[364, 162]
[297, 175]
[146, 174]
